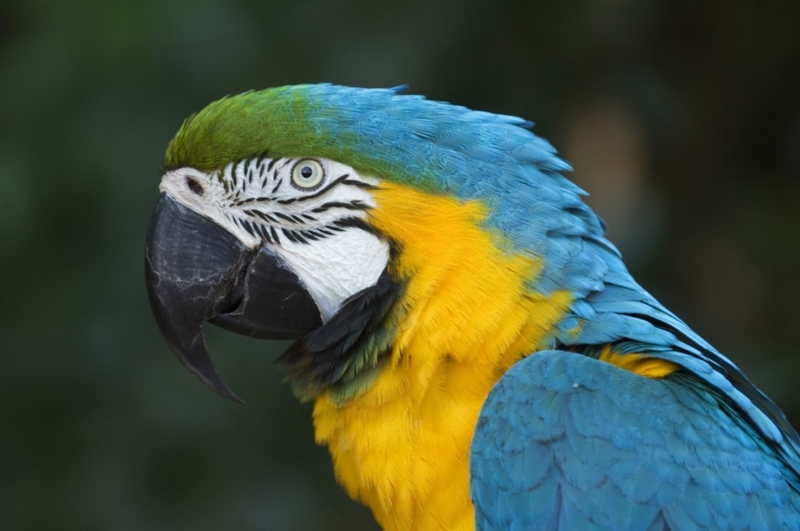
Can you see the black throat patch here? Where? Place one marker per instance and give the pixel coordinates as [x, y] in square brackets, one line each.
[342, 353]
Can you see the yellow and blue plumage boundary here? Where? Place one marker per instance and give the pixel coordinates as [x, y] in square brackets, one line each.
[402, 445]
[623, 418]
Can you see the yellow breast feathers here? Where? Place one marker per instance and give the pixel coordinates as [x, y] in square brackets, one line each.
[402, 447]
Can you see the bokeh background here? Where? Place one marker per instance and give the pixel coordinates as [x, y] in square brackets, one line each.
[682, 118]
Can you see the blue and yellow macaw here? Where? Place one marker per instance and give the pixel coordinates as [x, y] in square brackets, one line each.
[478, 355]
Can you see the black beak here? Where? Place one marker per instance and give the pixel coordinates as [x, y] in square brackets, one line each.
[196, 271]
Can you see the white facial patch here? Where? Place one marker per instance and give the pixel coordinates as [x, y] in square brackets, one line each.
[335, 268]
[316, 225]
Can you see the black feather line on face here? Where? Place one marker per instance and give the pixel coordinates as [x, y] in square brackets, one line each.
[248, 227]
[263, 230]
[358, 223]
[328, 187]
[274, 233]
[284, 217]
[289, 235]
[352, 205]
[322, 358]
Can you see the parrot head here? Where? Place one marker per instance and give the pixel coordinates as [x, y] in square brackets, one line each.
[322, 213]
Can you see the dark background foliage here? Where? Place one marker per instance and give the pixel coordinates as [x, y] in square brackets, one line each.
[682, 119]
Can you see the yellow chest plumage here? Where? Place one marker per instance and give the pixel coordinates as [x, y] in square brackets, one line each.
[402, 447]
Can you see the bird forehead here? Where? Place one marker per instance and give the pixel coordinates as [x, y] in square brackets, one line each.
[403, 138]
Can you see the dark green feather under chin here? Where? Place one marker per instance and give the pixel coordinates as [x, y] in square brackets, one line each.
[345, 355]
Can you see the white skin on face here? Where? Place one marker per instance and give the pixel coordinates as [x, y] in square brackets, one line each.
[296, 208]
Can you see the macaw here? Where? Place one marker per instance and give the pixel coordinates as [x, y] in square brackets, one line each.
[478, 355]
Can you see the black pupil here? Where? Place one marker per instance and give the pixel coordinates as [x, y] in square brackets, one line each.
[306, 172]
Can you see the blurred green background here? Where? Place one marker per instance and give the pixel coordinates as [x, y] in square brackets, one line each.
[682, 119]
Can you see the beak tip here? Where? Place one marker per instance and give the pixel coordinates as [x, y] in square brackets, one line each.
[226, 392]
[203, 369]
[217, 384]
[232, 397]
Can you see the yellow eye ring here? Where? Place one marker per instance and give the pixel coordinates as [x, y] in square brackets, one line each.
[308, 174]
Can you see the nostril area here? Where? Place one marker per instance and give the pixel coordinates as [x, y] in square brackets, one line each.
[194, 186]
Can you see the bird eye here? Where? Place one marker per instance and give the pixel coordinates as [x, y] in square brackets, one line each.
[307, 174]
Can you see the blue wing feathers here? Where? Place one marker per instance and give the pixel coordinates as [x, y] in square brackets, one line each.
[566, 439]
